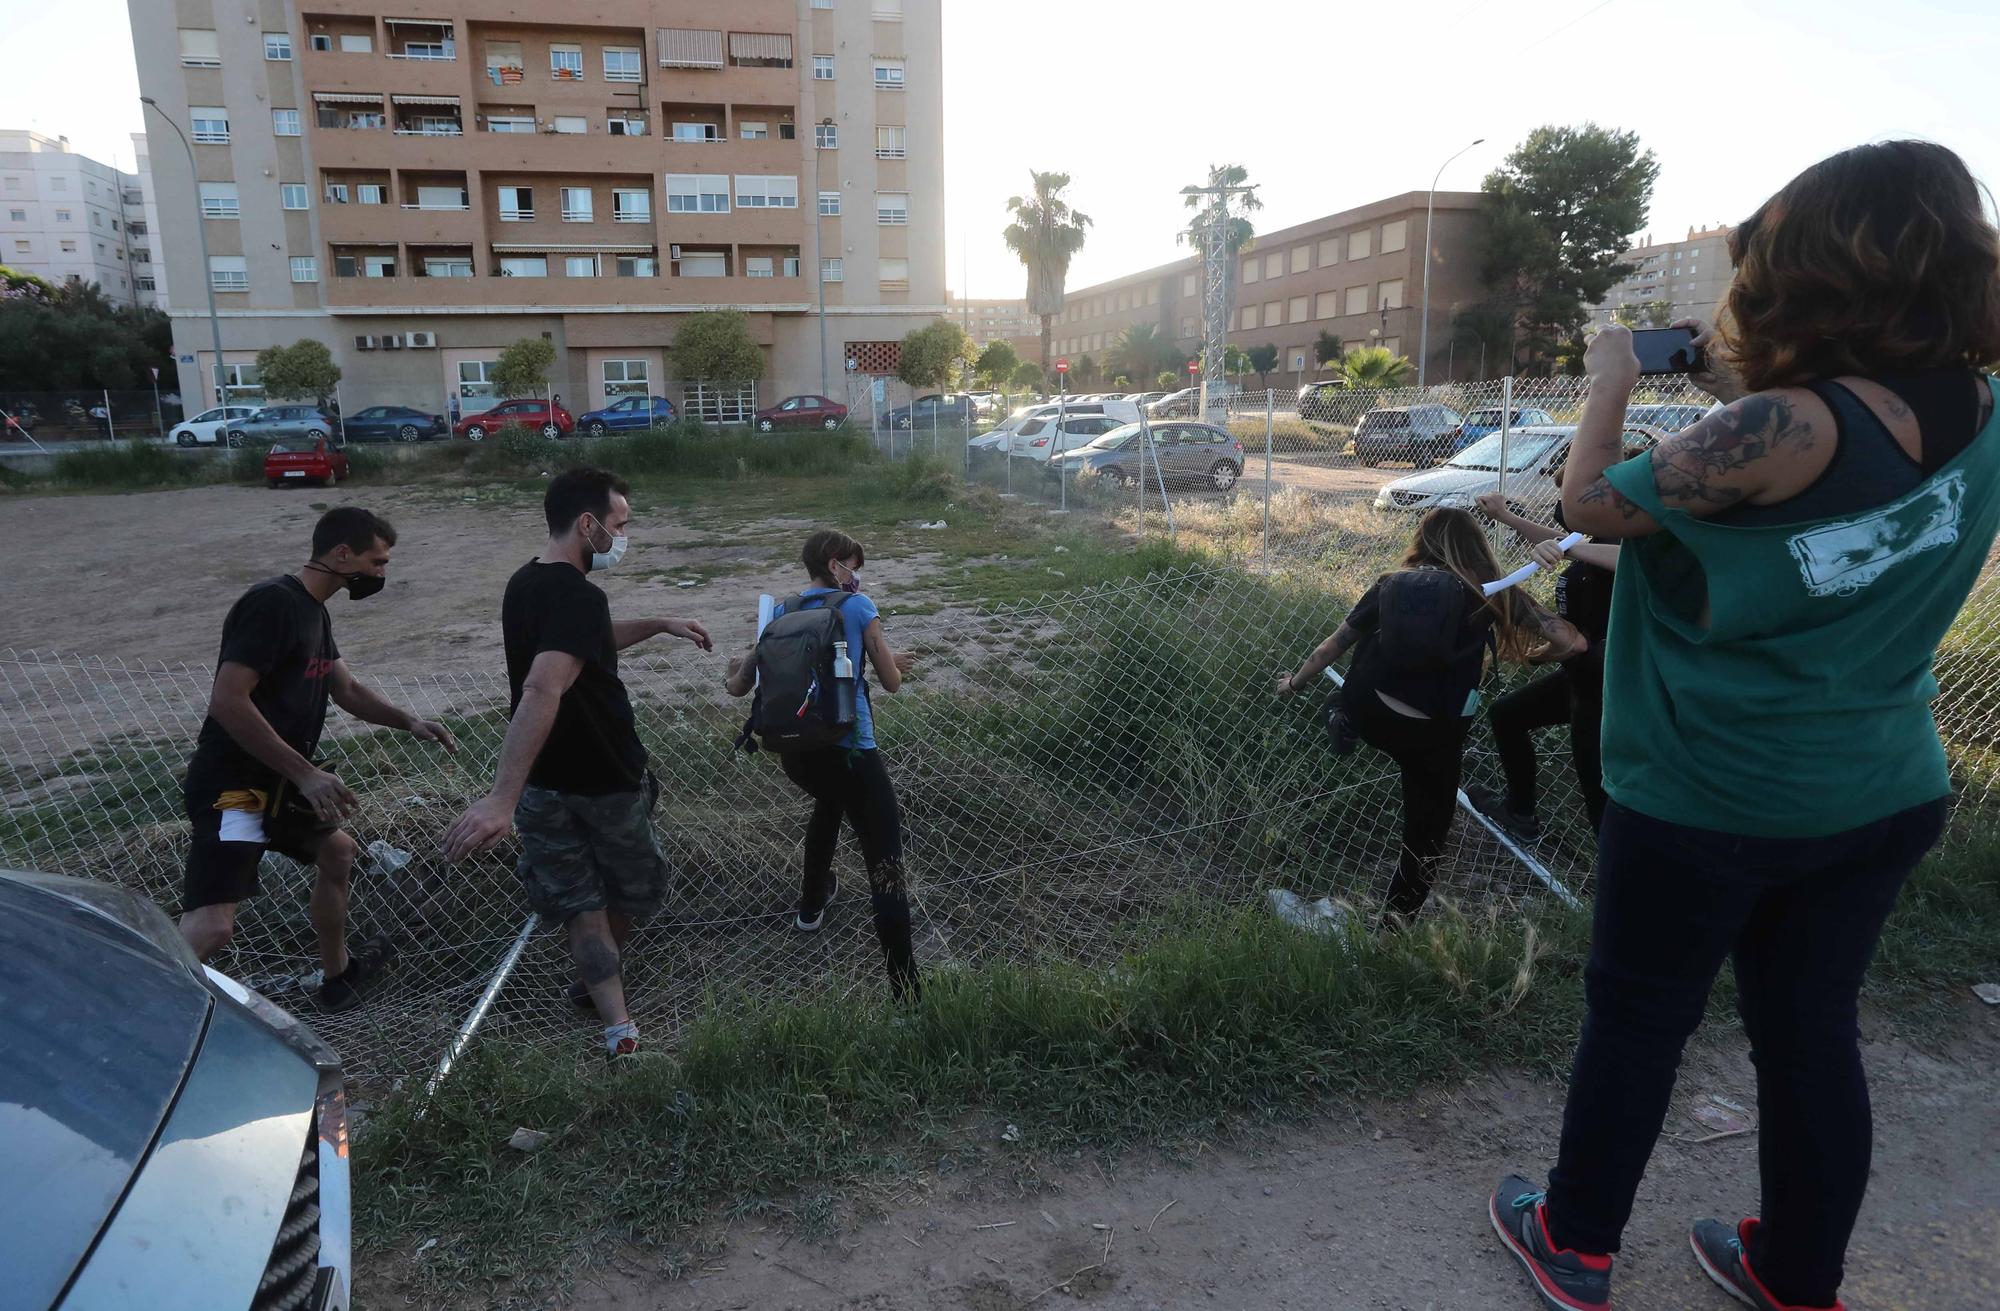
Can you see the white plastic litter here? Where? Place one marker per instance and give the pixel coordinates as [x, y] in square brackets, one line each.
[934, 527]
[1987, 992]
[688, 582]
[1011, 1134]
[527, 1140]
[1322, 916]
[1530, 569]
[385, 860]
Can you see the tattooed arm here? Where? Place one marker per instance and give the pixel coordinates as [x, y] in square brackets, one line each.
[1765, 447]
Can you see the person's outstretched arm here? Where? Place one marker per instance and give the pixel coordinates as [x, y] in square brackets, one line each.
[365, 703]
[891, 667]
[1322, 658]
[491, 817]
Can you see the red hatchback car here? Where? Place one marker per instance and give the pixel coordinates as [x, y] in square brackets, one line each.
[533, 414]
[301, 460]
[801, 412]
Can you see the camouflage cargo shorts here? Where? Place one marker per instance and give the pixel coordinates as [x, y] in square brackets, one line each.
[584, 853]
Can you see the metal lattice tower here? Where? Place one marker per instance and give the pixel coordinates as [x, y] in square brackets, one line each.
[1215, 285]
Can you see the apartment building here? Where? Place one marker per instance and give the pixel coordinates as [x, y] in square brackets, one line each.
[1691, 276]
[1357, 274]
[989, 321]
[420, 184]
[142, 226]
[63, 215]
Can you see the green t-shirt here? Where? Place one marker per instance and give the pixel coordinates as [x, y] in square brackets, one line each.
[1803, 708]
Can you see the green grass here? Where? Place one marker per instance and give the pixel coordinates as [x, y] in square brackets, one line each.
[135, 465]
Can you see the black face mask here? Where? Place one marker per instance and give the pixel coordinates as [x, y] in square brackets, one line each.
[359, 586]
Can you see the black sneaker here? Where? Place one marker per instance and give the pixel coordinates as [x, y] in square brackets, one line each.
[365, 962]
[1723, 1254]
[1341, 732]
[1567, 1280]
[805, 923]
[1493, 805]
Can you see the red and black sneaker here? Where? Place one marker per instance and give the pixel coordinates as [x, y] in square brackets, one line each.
[1566, 1279]
[626, 1052]
[1724, 1255]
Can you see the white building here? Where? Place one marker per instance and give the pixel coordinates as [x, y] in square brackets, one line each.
[62, 215]
[142, 226]
[1690, 276]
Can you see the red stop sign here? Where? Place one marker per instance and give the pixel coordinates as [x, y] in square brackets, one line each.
[1062, 366]
[1194, 366]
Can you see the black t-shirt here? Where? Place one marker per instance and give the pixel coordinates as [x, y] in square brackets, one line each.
[1439, 695]
[282, 631]
[1583, 596]
[594, 746]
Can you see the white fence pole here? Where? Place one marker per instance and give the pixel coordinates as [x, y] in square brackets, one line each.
[1270, 427]
[1506, 426]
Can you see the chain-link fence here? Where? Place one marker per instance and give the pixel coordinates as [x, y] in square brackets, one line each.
[1073, 772]
[52, 419]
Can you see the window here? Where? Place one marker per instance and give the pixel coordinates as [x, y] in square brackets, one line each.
[697, 193]
[1249, 316]
[285, 122]
[228, 273]
[1358, 244]
[621, 63]
[517, 204]
[504, 64]
[760, 49]
[441, 198]
[1326, 305]
[1274, 265]
[336, 193]
[22, 247]
[278, 46]
[509, 123]
[321, 41]
[58, 184]
[576, 205]
[627, 378]
[474, 378]
[371, 193]
[447, 266]
[524, 266]
[889, 74]
[1190, 284]
[200, 49]
[826, 136]
[1390, 293]
[62, 216]
[357, 43]
[566, 63]
[292, 195]
[218, 200]
[1124, 300]
[571, 124]
[1394, 345]
[1253, 269]
[637, 266]
[1302, 258]
[625, 125]
[822, 68]
[580, 266]
[211, 127]
[691, 132]
[305, 268]
[688, 47]
[67, 245]
[892, 208]
[704, 264]
[631, 205]
[832, 270]
[1395, 235]
[144, 284]
[894, 273]
[21, 215]
[757, 266]
[752, 130]
[789, 266]
[378, 266]
[891, 143]
[829, 204]
[1187, 325]
[1295, 312]
[1274, 314]
[756, 191]
[1357, 300]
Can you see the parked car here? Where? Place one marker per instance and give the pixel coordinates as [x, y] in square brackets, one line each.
[275, 423]
[1533, 456]
[1421, 434]
[211, 427]
[997, 438]
[393, 423]
[1144, 398]
[172, 1138]
[801, 412]
[1667, 418]
[305, 460]
[1176, 405]
[550, 421]
[626, 413]
[1186, 452]
[1482, 421]
[1042, 439]
[924, 411]
[1320, 402]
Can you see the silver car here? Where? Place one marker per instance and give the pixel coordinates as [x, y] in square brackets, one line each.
[1184, 452]
[172, 1139]
[277, 423]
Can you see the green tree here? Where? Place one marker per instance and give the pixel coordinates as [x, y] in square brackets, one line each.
[303, 370]
[1487, 332]
[1653, 314]
[1167, 380]
[1373, 368]
[996, 364]
[1557, 214]
[932, 353]
[1141, 351]
[523, 367]
[1237, 231]
[1327, 350]
[59, 338]
[1085, 371]
[1028, 377]
[716, 346]
[1263, 359]
[1234, 362]
[1045, 236]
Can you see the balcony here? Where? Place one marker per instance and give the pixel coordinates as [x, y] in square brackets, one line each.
[429, 294]
[334, 70]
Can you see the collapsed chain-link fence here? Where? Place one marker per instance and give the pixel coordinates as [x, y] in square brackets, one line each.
[1073, 772]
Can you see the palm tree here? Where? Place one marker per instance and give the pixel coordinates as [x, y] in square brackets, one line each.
[1373, 368]
[1142, 352]
[1237, 231]
[1045, 235]
[1327, 350]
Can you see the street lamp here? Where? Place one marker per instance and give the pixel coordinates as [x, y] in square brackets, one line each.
[819, 250]
[201, 230]
[1424, 332]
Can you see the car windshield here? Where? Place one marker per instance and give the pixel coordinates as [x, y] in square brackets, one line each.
[1114, 439]
[292, 448]
[1524, 451]
[1386, 419]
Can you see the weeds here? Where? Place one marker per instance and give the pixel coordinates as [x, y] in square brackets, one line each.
[135, 464]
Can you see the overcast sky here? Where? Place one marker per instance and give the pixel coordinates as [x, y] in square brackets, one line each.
[1329, 103]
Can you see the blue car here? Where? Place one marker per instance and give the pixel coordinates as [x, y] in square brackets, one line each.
[1481, 422]
[630, 412]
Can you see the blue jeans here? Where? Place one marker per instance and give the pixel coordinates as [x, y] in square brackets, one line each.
[1800, 919]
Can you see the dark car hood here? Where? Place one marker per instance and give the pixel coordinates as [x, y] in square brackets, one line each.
[98, 1029]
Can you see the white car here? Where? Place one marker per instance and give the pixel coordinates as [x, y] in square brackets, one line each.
[1037, 437]
[208, 427]
[1533, 456]
[996, 439]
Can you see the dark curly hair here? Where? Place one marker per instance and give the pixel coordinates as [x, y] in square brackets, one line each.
[1880, 259]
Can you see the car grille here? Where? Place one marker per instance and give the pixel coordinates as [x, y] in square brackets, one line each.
[1409, 498]
[288, 1276]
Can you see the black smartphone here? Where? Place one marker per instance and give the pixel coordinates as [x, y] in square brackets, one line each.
[1666, 350]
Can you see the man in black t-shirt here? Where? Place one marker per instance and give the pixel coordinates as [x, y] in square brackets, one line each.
[252, 784]
[572, 778]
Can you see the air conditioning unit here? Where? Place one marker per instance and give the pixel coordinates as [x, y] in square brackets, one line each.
[364, 343]
[392, 342]
[421, 340]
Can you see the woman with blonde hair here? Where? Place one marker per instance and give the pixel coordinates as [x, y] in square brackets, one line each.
[1420, 637]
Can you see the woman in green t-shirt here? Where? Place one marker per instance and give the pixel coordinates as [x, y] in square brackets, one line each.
[1791, 562]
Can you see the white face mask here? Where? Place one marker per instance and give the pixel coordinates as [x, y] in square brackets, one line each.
[605, 559]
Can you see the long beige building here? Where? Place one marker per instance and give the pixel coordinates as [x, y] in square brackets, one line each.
[418, 184]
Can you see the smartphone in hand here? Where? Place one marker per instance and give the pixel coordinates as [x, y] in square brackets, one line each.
[1666, 351]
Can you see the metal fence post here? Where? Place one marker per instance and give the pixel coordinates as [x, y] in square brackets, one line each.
[1270, 427]
[110, 424]
[1506, 426]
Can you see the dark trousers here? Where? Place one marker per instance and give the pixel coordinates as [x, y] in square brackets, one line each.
[1571, 694]
[855, 785]
[1800, 918]
[1430, 753]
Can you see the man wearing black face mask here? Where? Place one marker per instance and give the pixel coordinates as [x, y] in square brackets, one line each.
[252, 783]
